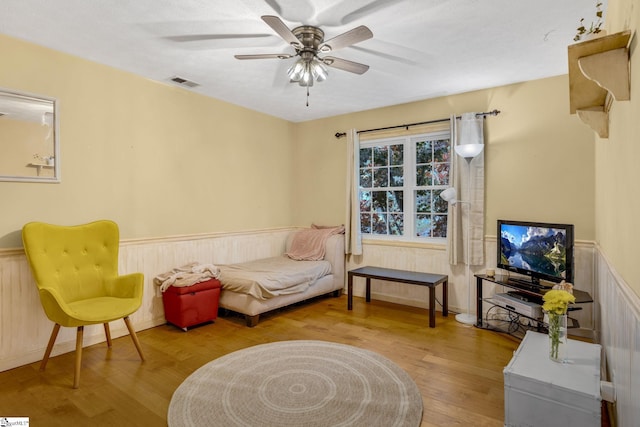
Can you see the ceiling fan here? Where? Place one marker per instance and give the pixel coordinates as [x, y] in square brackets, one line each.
[308, 42]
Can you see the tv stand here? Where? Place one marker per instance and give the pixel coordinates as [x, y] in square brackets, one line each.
[524, 287]
[533, 283]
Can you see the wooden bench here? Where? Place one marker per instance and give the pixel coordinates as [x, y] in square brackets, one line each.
[402, 276]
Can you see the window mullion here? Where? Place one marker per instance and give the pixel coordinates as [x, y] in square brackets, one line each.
[409, 188]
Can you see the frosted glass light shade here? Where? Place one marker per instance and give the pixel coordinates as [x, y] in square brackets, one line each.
[449, 195]
[296, 71]
[319, 70]
[307, 77]
[468, 151]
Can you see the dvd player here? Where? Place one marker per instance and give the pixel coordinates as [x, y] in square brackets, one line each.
[518, 303]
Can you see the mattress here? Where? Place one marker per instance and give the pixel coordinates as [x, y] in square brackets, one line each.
[269, 277]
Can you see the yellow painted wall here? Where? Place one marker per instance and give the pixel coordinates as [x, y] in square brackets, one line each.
[162, 160]
[617, 170]
[539, 160]
[158, 159]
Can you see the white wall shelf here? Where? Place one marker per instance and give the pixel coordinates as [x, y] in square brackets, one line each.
[599, 74]
[40, 166]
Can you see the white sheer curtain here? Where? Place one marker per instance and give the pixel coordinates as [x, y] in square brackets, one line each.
[468, 129]
[353, 238]
[455, 237]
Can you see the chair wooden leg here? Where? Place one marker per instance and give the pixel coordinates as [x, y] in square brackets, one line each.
[107, 333]
[134, 337]
[52, 340]
[76, 377]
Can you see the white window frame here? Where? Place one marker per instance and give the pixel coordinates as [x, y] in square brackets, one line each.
[409, 183]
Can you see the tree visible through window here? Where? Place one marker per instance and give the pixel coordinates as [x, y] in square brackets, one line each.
[400, 182]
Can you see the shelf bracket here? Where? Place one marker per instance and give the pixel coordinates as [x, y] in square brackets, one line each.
[610, 70]
[598, 74]
[596, 118]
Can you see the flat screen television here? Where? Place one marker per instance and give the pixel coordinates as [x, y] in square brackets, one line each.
[539, 250]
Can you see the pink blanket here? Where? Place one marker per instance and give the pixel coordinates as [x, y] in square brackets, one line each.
[309, 245]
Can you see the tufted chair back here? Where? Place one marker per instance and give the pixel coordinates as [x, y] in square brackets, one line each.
[76, 261]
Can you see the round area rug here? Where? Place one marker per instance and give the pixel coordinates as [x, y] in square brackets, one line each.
[297, 383]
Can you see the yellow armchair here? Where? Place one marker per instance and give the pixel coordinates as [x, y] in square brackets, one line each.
[76, 271]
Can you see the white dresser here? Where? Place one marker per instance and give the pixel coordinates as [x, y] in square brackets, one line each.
[540, 392]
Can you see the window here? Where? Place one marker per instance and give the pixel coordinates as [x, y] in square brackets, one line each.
[400, 181]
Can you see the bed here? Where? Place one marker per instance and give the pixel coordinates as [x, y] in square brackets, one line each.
[256, 287]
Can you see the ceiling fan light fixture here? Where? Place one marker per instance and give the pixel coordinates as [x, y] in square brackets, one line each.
[307, 76]
[296, 71]
[308, 41]
[319, 70]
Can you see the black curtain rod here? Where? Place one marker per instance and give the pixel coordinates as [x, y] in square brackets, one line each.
[407, 126]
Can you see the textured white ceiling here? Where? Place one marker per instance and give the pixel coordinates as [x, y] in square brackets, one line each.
[420, 48]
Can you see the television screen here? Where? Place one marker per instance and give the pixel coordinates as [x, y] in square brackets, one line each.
[539, 250]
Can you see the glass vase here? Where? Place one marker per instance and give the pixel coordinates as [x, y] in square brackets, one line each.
[558, 337]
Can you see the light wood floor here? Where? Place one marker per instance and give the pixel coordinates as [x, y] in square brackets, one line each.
[457, 368]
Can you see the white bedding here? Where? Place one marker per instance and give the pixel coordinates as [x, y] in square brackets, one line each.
[269, 277]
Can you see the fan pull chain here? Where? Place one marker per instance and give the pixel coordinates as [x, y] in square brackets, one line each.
[307, 96]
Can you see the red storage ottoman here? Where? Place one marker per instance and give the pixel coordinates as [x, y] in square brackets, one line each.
[191, 305]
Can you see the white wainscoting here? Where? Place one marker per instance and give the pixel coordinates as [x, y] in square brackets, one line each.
[434, 259]
[25, 330]
[618, 324]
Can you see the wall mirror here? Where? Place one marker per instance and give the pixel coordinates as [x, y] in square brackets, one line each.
[29, 145]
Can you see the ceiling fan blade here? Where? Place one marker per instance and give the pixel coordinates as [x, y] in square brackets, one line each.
[347, 11]
[353, 36]
[292, 10]
[199, 37]
[404, 59]
[265, 56]
[283, 31]
[343, 64]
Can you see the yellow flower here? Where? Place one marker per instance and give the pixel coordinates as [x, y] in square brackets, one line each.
[556, 301]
